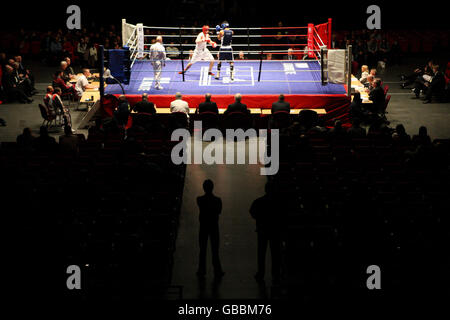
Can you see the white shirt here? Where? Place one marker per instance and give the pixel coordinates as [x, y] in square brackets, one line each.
[93, 52]
[200, 42]
[179, 105]
[157, 52]
[364, 76]
[82, 82]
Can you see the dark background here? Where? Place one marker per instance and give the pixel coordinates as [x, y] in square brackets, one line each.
[346, 15]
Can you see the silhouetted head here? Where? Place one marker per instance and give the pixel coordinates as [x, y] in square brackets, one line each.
[423, 131]
[400, 129]
[27, 132]
[68, 130]
[43, 131]
[208, 186]
[357, 97]
[281, 97]
[338, 124]
[208, 97]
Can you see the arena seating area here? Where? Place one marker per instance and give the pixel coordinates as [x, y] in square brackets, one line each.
[352, 201]
[111, 208]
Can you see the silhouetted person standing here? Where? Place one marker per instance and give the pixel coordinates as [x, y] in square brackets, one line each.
[266, 211]
[210, 208]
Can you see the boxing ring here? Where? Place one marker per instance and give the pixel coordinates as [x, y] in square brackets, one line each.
[288, 60]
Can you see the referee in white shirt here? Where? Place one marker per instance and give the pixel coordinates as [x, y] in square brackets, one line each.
[158, 59]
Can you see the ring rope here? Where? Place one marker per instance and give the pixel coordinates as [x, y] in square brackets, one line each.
[234, 36]
[200, 28]
[245, 44]
[251, 52]
[198, 71]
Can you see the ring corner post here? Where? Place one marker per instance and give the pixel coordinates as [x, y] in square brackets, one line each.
[181, 52]
[310, 40]
[124, 35]
[349, 70]
[329, 32]
[102, 68]
[260, 65]
[140, 40]
[323, 67]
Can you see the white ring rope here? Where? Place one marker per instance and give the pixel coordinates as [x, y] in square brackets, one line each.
[237, 28]
[248, 51]
[234, 45]
[234, 36]
[262, 70]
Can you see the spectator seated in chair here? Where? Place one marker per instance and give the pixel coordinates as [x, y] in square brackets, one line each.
[436, 87]
[337, 131]
[48, 100]
[376, 95]
[44, 143]
[83, 83]
[69, 143]
[25, 140]
[60, 108]
[179, 105]
[25, 73]
[13, 90]
[237, 106]
[122, 112]
[364, 73]
[58, 81]
[400, 137]
[144, 106]
[422, 139]
[208, 105]
[281, 105]
[67, 74]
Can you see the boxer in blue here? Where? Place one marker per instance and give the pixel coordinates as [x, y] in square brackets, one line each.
[225, 36]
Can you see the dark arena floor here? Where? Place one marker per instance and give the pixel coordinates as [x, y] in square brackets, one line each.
[102, 209]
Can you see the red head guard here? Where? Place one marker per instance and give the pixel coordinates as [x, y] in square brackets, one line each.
[205, 29]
